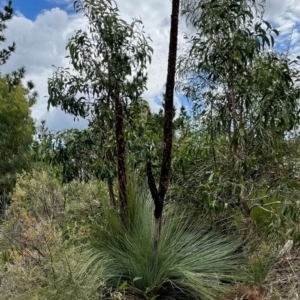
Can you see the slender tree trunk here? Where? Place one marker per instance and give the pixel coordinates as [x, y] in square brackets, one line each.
[120, 153]
[111, 193]
[159, 195]
[236, 148]
[234, 118]
[110, 159]
[247, 214]
[109, 155]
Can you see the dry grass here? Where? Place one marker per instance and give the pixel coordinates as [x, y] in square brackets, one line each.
[283, 281]
[243, 292]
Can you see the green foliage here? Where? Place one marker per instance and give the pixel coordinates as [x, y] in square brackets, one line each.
[238, 154]
[104, 58]
[16, 124]
[108, 78]
[43, 224]
[259, 270]
[248, 94]
[261, 259]
[264, 211]
[68, 242]
[192, 260]
[16, 133]
[5, 16]
[90, 152]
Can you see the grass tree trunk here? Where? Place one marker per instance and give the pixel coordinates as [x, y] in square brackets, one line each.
[159, 195]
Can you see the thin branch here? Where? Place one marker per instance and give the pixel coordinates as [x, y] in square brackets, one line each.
[265, 204]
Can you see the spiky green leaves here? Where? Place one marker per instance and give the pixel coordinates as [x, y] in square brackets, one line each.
[192, 261]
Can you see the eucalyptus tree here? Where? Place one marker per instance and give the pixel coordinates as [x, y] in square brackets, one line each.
[243, 88]
[91, 152]
[108, 73]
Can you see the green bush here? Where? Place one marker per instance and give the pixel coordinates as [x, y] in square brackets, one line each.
[38, 257]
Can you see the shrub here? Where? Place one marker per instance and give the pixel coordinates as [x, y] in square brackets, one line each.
[45, 221]
[192, 261]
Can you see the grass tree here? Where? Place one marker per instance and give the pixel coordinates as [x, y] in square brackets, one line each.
[109, 62]
[159, 194]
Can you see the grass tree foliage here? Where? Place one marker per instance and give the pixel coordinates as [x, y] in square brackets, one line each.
[192, 260]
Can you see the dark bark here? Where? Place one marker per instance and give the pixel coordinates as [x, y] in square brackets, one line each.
[110, 159]
[109, 155]
[154, 191]
[169, 103]
[159, 195]
[111, 193]
[234, 118]
[120, 152]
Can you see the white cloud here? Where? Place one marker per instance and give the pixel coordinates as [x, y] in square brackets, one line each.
[285, 16]
[41, 44]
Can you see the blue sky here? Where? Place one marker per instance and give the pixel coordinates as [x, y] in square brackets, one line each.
[31, 8]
